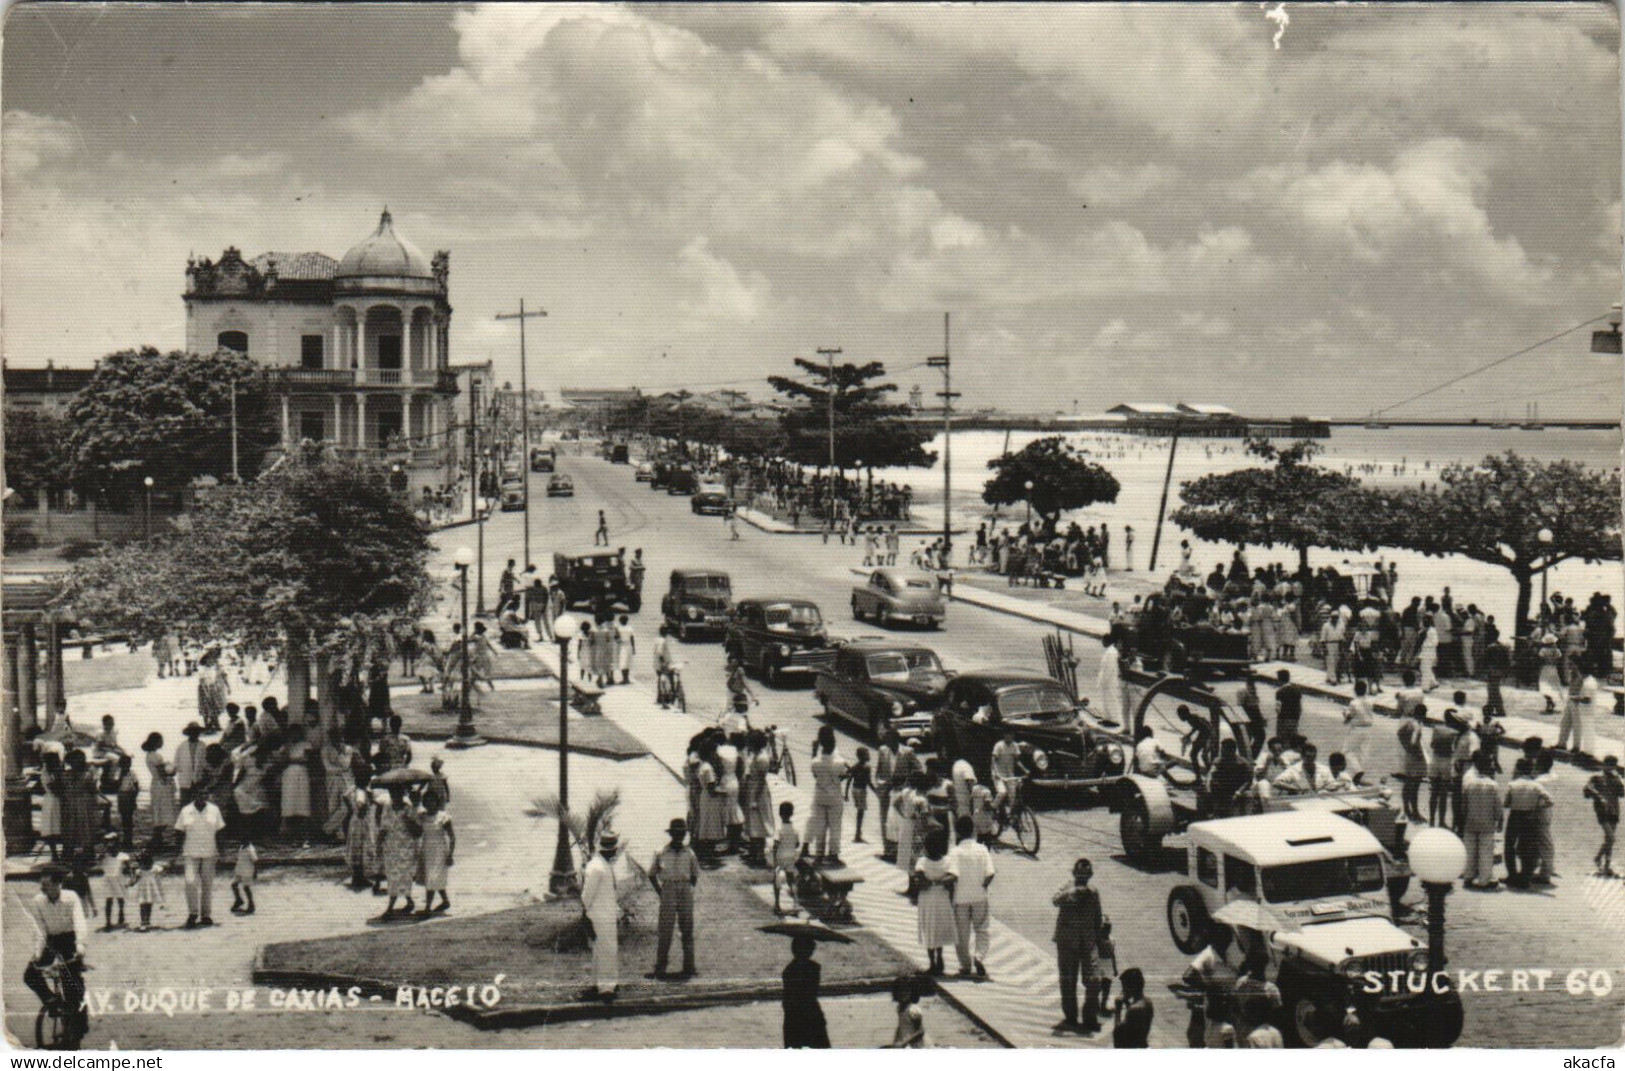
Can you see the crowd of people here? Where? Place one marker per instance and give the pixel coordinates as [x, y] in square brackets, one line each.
[794, 493]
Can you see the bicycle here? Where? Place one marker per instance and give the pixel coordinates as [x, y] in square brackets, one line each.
[1019, 818]
[781, 759]
[54, 1026]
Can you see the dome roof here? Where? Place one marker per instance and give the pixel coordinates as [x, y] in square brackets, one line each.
[385, 253]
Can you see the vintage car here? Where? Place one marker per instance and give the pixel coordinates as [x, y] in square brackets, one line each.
[1307, 888]
[681, 481]
[513, 495]
[595, 579]
[542, 459]
[778, 637]
[896, 597]
[1063, 745]
[879, 685]
[644, 473]
[560, 486]
[710, 503]
[617, 453]
[1164, 639]
[699, 600]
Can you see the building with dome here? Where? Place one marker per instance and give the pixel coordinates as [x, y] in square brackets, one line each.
[360, 344]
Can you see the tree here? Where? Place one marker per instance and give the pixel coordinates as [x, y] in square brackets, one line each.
[168, 416]
[37, 455]
[1292, 502]
[1061, 478]
[1494, 512]
[868, 426]
[317, 556]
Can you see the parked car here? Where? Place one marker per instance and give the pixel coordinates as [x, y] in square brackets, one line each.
[513, 495]
[1199, 651]
[644, 473]
[777, 637]
[877, 684]
[542, 459]
[1310, 885]
[593, 577]
[681, 481]
[698, 600]
[1063, 744]
[560, 486]
[711, 503]
[895, 596]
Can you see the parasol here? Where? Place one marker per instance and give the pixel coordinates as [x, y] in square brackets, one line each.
[1252, 915]
[816, 931]
[402, 776]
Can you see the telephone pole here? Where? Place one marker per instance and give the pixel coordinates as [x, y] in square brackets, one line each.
[829, 356]
[524, 407]
[234, 477]
[947, 394]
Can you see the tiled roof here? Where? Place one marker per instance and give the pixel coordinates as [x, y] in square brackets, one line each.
[297, 266]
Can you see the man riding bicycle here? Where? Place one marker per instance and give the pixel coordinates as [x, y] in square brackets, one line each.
[738, 687]
[1007, 768]
[665, 669]
[63, 935]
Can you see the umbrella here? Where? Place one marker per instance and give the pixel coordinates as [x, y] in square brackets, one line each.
[1253, 915]
[816, 931]
[402, 776]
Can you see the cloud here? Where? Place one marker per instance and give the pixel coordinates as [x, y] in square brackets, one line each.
[236, 166]
[31, 140]
[1112, 186]
[725, 293]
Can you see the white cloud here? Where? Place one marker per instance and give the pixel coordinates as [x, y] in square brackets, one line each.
[1112, 186]
[32, 140]
[725, 293]
[236, 166]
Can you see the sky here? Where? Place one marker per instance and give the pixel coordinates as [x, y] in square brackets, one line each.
[1287, 209]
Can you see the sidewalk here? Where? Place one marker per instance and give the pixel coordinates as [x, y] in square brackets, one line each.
[758, 519]
[1019, 1004]
[1522, 703]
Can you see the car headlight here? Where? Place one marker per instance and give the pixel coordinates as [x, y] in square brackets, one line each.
[694, 613]
[896, 709]
[1352, 969]
[1419, 961]
[784, 651]
[1040, 760]
[1114, 755]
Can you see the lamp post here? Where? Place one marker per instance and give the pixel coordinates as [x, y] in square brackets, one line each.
[562, 881]
[1545, 537]
[857, 468]
[147, 520]
[1438, 857]
[465, 735]
[1028, 486]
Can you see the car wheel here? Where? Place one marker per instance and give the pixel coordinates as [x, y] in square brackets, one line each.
[1135, 829]
[1187, 919]
[1304, 1027]
[682, 633]
[883, 615]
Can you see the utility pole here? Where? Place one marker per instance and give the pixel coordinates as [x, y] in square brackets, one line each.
[524, 408]
[235, 478]
[1162, 507]
[947, 394]
[829, 356]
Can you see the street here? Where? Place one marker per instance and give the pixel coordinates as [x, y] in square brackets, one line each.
[1576, 925]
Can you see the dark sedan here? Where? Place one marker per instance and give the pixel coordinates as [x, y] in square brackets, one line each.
[710, 502]
[877, 686]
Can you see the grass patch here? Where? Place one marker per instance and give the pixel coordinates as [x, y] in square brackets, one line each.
[529, 716]
[505, 665]
[732, 953]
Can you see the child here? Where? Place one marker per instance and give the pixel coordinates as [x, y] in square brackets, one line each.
[128, 789]
[242, 880]
[804, 1025]
[1604, 790]
[981, 812]
[148, 891]
[787, 850]
[910, 1033]
[438, 848]
[1132, 1013]
[859, 779]
[115, 882]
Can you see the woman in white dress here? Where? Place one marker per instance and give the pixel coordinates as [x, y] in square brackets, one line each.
[933, 884]
[1359, 718]
[1428, 656]
[1109, 683]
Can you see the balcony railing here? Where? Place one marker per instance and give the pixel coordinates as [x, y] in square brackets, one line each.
[444, 380]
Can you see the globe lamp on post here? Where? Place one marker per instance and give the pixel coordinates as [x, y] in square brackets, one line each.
[465, 735]
[563, 881]
[148, 520]
[1545, 537]
[1437, 856]
[1028, 487]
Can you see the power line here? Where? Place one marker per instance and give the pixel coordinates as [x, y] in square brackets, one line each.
[1498, 361]
[1615, 380]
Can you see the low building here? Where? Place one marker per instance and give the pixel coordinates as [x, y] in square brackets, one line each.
[48, 389]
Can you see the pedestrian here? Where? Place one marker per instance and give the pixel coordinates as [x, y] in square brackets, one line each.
[200, 822]
[1442, 768]
[1481, 820]
[163, 653]
[1080, 925]
[1257, 727]
[756, 797]
[884, 776]
[600, 904]
[804, 1026]
[1546, 837]
[675, 874]
[600, 537]
[728, 787]
[129, 789]
[1212, 973]
[973, 869]
[63, 936]
[931, 889]
[910, 1032]
[824, 823]
[188, 763]
[1360, 718]
[1521, 848]
[115, 882]
[1128, 548]
[859, 780]
[148, 889]
[242, 879]
[1604, 789]
[1428, 656]
[626, 646]
[361, 837]
[908, 803]
[296, 757]
[963, 778]
[439, 849]
[1133, 1013]
[398, 832]
[1582, 695]
[787, 852]
[212, 688]
[1288, 705]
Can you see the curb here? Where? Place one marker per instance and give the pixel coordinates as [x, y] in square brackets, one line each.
[439, 737]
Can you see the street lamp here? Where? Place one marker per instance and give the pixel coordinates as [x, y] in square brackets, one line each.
[562, 882]
[1438, 857]
[857, 467]
[1545, 537]
[1028, 486]
[148, 520]
[465, 735]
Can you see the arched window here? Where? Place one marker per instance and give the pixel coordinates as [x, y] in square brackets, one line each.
[234, 340]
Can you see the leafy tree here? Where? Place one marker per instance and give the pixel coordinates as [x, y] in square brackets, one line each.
[1494, 512]
[868, 425]
[1291, 501]
[1061, 478]
[37, 455]
[317, 556]
[168, 416]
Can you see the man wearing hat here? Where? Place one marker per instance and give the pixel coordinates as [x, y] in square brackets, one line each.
[602, 907]
[674, 874]
[189, 760]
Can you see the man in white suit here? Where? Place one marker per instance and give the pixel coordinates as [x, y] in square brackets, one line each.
[602, 907]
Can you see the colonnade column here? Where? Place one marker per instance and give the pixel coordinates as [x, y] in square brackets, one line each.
[28, 677]
[406, 345]
[287, 443]
[361, 347]
[361, 420]
[338, 420]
